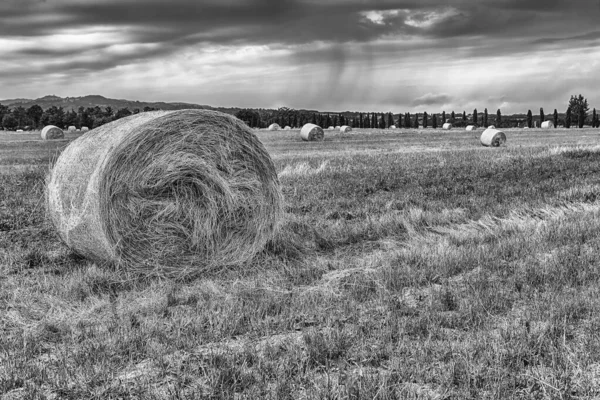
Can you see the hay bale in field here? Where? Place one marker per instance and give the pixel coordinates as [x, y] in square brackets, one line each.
[84, 129]
[72, 128]
[331, 128]
[447, 126]
[166, 193]
[492, 138]
[338, 127]
[470, 128]
[312, 132]
[19, 130]
[345, 129]
[287, 128]
[52, 132]
[491, 127]
[547, 125]
[393, 127]
[274, 127]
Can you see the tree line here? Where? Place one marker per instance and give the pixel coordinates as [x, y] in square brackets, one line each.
[34, 117]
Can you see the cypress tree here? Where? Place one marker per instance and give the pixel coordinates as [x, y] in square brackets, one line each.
[485, 118]
[407, 120]
[529, 119]
[555, 118]
[434, 121]
[399, 120]
[360, 120]
[390, 119]
[498, 119]
[594, 118]
[443, 117]
[568, 118]
[475, 117]
[464, 117]
[425, 119]
[542, 116]
[452, 117]
[416, 123]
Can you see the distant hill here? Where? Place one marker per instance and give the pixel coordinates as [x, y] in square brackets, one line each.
[74, 103]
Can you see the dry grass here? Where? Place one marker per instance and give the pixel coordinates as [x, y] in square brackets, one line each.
[415, 265]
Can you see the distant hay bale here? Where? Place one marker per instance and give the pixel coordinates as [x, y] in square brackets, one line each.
[331, 128]
[345, 129]
[470, 127]
[338, 127]
[166, 193]
[491, 127]
[19, 130]
[52, 132]
[274, 127]
[547, 125]
[287, 128]
[72, 128]
[393, 127]
[312, 132]
[447, 126]
[492, 138]
[84, 129]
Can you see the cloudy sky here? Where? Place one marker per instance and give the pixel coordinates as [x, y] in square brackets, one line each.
[334, 55]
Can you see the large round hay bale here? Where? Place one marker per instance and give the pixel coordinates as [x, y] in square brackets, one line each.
[274, 127]
[470, 128]
[492, 138]
[547, 125]
[167, 193]
[345, 129]
[52, 132]
[72, 128]
[447, 126]
[84, 129]
[312, 132]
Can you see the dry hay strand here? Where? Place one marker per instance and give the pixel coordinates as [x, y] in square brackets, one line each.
[52, 132]
[345, 129]
[493, 138]
[547, 125]
[312, 133]
[173, 193]
[470, 128]
[447, 126]
[274, 127]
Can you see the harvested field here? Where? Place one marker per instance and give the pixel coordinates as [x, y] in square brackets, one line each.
[411, 264]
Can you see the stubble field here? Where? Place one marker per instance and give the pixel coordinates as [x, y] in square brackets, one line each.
[410, 265]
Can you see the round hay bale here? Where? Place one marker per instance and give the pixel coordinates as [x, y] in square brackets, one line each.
[491, 127]
[274, 127]
[492, 138]
[547, 125]
[287, 128]
[447, 126]
[52, 132]
[393, 127]
[19, 130]
[72, 128]
[166, 193]
[338, 127]
[470, 128]
[84, 129]
[331, 128]
[312, 132]
[345, 129]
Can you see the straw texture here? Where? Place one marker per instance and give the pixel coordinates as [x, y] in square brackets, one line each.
[166, 193]
[50, 132]
[312, 132]
[493, 138]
